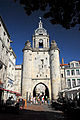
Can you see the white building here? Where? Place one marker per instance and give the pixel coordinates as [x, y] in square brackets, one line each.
[71, 76]
[4, 49]
[7, 63]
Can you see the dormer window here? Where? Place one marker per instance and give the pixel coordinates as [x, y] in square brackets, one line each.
[40, 43]
[76, 64]
[72, 64]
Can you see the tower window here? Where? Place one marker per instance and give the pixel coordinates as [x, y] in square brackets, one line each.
[37, 75]
[62, 75]
[4, 33]
[7, 40]
[2, 46]
[40, 43]
[42, 61]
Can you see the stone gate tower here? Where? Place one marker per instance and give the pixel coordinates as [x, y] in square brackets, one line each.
[40, 65]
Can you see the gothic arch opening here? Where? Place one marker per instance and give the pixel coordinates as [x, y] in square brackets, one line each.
[40, 89]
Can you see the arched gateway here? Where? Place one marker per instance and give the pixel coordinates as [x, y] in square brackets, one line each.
[41, 66]
[40, 89]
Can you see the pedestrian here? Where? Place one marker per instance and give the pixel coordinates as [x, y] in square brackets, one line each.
[34, 100]
[43, 99]
[31, 99]
[48, 101]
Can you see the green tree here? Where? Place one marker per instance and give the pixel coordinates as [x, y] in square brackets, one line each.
[63, 12]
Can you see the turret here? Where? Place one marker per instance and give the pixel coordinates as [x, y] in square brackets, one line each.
[27, 65]
[55, 70]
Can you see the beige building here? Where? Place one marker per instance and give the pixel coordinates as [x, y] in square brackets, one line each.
[41, 66]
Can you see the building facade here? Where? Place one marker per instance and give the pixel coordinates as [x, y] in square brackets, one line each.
[70, 77]
[7, 64]
[4, 50]
[41, 66]
[10, 84]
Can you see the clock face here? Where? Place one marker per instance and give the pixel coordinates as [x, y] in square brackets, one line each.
[40, 31]
[40, 40]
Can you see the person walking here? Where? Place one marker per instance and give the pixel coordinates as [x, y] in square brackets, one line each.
[31, 99]
[48, 101]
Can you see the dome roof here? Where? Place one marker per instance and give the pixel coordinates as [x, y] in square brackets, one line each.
[40, 30]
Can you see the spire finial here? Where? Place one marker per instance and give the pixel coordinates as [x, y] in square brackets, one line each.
[40, 18]
[40, 23]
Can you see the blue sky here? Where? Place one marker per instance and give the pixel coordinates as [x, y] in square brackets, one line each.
[21, 28]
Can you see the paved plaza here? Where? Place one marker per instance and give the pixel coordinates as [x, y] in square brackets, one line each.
[36, 112]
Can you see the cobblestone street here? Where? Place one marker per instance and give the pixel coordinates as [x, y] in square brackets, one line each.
[36, 112]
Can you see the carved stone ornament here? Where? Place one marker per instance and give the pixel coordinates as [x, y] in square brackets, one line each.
[53, 45]
[27, 45]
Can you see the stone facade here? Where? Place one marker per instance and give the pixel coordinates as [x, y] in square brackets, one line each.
[41, 65]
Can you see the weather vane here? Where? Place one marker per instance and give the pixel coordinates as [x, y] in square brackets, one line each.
[40, 18]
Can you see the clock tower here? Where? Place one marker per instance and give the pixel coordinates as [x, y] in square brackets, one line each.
[41, 68]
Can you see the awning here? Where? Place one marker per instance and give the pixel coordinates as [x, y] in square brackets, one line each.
[18, 94]
[74, 90]
[64, 90]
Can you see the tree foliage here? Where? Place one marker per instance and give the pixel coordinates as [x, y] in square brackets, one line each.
[63, 12]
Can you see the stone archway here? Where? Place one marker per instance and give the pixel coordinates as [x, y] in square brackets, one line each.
[40, 89]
